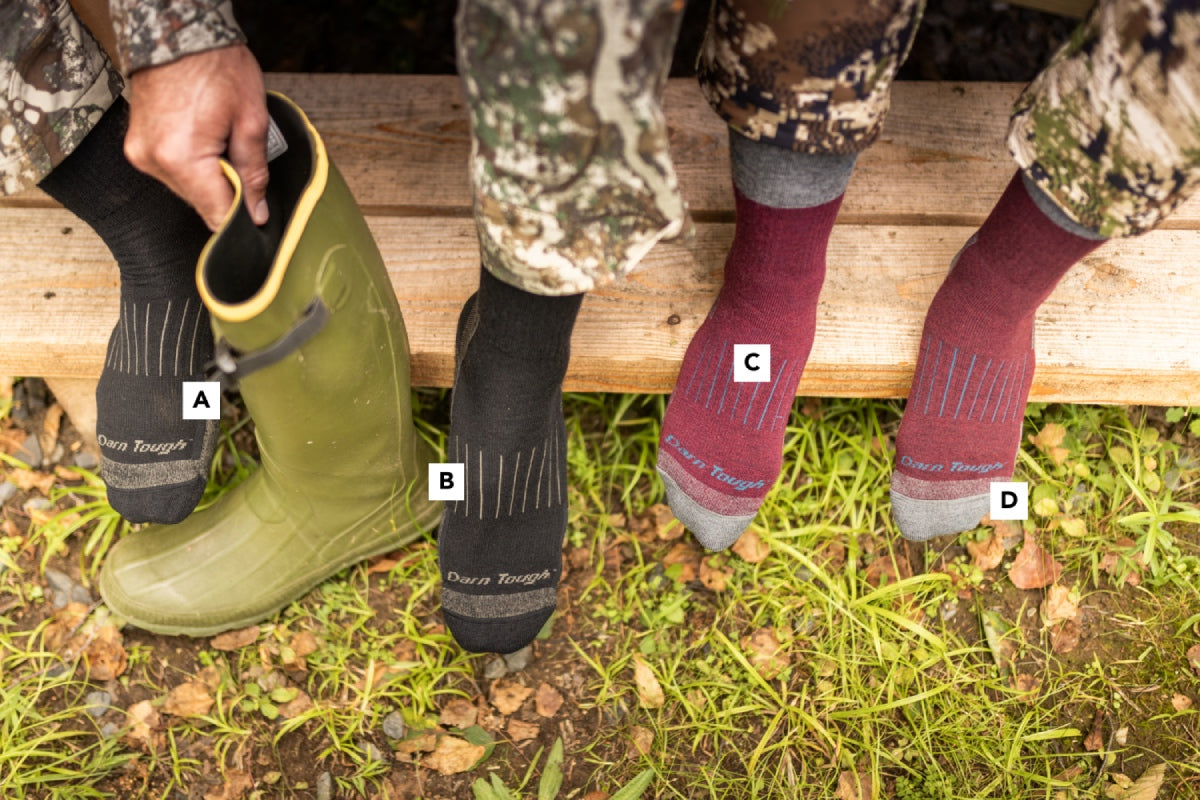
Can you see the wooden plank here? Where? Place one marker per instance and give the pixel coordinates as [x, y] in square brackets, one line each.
[1120, 328]
[402, 143]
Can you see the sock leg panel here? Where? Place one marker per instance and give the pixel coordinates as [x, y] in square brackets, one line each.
[155, 462]
[500, 547]
[962, 424]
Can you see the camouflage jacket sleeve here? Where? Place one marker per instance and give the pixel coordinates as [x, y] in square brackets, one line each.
[153, 32]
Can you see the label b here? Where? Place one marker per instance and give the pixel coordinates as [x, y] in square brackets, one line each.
[447, 481]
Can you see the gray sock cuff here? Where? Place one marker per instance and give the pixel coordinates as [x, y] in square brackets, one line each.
[780, 178]
[1047, 205]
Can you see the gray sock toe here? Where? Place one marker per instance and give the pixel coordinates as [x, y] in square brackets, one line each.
[714, 531]
[921, 520]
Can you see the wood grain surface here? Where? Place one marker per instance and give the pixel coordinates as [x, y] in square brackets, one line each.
[1120, 329]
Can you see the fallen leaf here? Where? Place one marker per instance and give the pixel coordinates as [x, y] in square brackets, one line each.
[1193, 657]
[989, 553]
[884, 569]
[459, 713]
[453, 755]
[650, 691]
[831, 557]
[1095, 738]
[853, 785]
[764, 652]
[579, 557]
[301, 646]
[1144, 788]
[384, 563]
[1076, 528]
[48, 437]
[1064, 637]
[104, 657]
[751, 548]
[1181, 702]
[1033, 567]
[520, 731]
[1059, 604]
[143, 721]
[419, 742]
[663, 522]
[712, 576]
[1049, 441]
[596, 795]
[94, 640]
[641, 741]
[234, 640]
[547, 701]
[237, 783]
[1027, 686]
[687, 557]
[296, 706]
[28, 480]
[508, 697]
[189, 699]
[1046, 507]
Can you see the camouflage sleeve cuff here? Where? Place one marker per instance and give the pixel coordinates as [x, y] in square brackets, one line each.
[154, 32]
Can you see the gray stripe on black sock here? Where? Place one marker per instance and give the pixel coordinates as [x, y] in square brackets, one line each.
[498, 606]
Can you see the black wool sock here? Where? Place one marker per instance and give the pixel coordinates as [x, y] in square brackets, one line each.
[500, 548]
[155, 463]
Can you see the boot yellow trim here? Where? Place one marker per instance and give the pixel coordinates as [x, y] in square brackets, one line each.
[296, 225]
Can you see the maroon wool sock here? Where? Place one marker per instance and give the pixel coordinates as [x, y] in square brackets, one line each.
[721, 446]
[962, 424]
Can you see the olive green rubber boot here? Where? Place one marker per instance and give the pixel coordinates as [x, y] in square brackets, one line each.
[307, 323]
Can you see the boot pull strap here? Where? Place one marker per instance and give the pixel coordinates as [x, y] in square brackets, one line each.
[229, 365]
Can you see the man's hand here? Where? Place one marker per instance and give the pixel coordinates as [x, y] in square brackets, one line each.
[185, 115]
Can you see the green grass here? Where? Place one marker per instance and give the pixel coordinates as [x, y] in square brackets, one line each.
[799, 674]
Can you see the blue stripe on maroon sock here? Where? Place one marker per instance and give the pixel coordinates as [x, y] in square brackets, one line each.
[716, 374]
[728, 378]
[945, 391]
[921, 380]
[988, 401]
[778, 379]
[979, 388]
[695, 369]
[1003, 389]
[933, 379]
[750, 405]
[966, 383]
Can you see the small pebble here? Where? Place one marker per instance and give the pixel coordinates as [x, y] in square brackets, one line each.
[85, 460]
[393, 726]
[7, 490]
[495, 668]
[30, 452]
[109, 730]
[371, 750]
[325, 786]
[948, 610]
[56, 457]
[59, 580]
[37, 504]
[519, 660]
[98, 703]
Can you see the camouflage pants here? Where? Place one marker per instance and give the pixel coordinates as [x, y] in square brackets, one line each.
[573, 183]
[57, 84]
